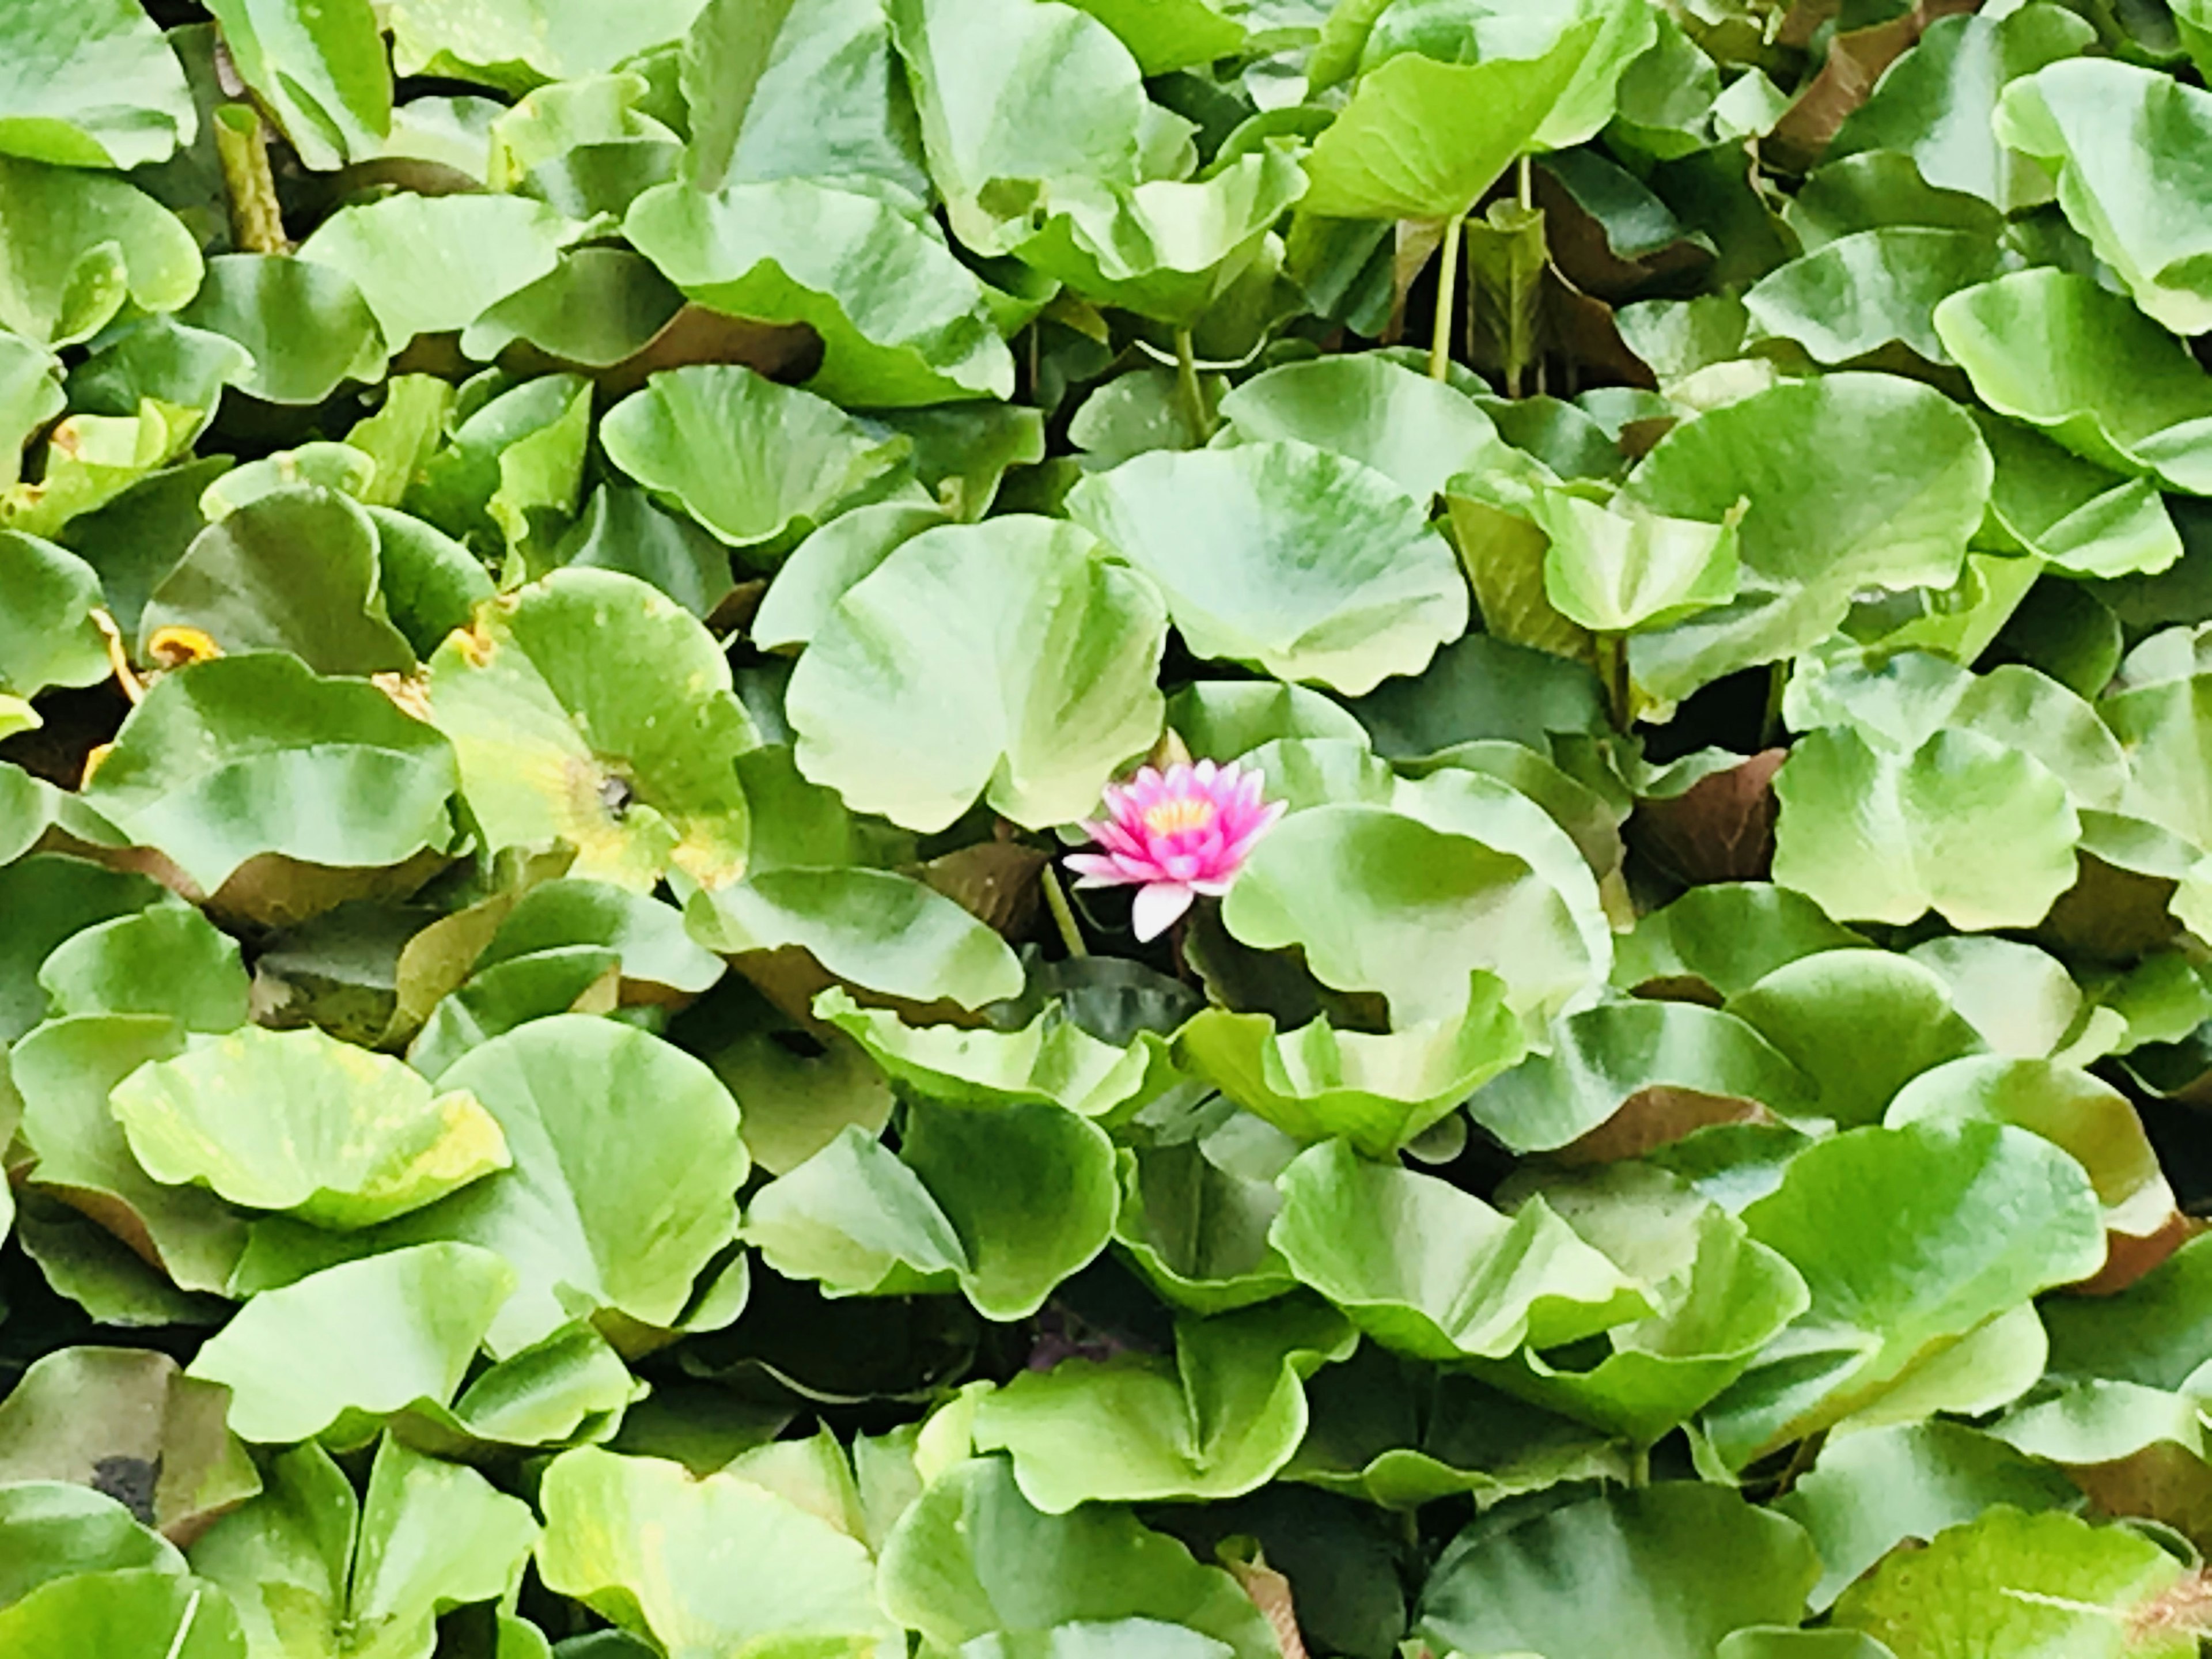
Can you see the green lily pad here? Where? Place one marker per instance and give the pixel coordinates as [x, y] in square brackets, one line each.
[168, 959]
[805, 90]
[1813, 534]
[971, 1557]
[307, 326]
[1850, 297]
[1615, 571]
[901, 321]
[2131, 197]
[129, 1614]
[93, 86]
[1868, 1492]
[1051, 650]
[1216, 1421]
[1603, 1058]
[1002, 1204]
[2022, 339]
[1225, 535]
[618, 1214]
[1419, 432]
[517, 45]
[2083, 518]
[880, 931]
[2047, 1582]
[339, 1137]
[78, 245]
[212, 767]
[294, 570]
[430, 264]
[1050, 1060]
[307, 1561]
[47, 634]
[649, 1545]
[30, 396]
[591, 709]
[1985, 1217]
[1876, 835]
[1437, 1274]
[91, 459]
[1683, 1565]
[329, 1354]
[321, 70]
[1378, 1092]
[1195, 1219]
[1860, 1024]
[748, 459]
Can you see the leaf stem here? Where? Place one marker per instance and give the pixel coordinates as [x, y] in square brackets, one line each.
[1063, 913]
[1613, 671]
[1524, 182]
[1447, 282]
[1639, 1467]
[1777, 682]
[1191, 391]
[257, 223]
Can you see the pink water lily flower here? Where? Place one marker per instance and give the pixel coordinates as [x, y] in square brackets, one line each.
[1175, 836]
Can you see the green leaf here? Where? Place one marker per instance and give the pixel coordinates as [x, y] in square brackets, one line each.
[620, 1214]
[971, 1556]
[429, 264]
[516, 44]
[704, 1566]
[47, 634]
[1718, 1299]
[1879, 836]
[294, 570]
[1868, 1492]
[212, 768]
[1377, 1092]
[1050, 651]
[92, 86]
[1849, 298]
[77, 245]
[167, 960]
[1861, 1024]
[1216, 1421]
[30, 396]
[53, 1530]
[129, 1615]
[1417, 432]
[341, 1347]
[2150, 1334]
[590, 708]
[2119, 139]
[1002, 1204]
[901, 321]
[1223, 534]
[1982, 1218]
[339, 1137]
[2083, 518]
[795, 456]
[805, 89]
[1425, 140]
[882, 932]
[1523, 903]
[1434, 1273]
[306, 1562]
[2022, 339]
[1194, 1221]
[1615, 571]
[1182, 34]
[306, 324]
[93, 458]
[1813, 534]
[1682, 1564]
[1603, 1058]
[2030, 1583]
[1935, 104]
[320, 66]
[65, 1071]
[88, 1414]
[1052, 1060]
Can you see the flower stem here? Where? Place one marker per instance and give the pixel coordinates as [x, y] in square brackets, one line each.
[1613, 671]
[256, 224]
[1447, 282]
[1063, 913]
[1191, 391]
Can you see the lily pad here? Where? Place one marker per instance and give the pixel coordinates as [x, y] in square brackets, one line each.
[1056, 651]
[78, 246]
[591, 707]
[339, 1137]
[93, 86]
[796, 456]
[48, 635]
[1227, 535]
[307, 326]
[431, 264]
[217, 766]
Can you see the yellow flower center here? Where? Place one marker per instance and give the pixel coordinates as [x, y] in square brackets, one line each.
[1184, 812]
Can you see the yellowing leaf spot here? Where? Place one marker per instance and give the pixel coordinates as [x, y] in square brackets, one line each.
[473, 643]
[410, 696]
[100, 752]
[180, 647]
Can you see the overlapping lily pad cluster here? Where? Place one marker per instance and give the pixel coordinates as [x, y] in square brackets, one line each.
[568, 570]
